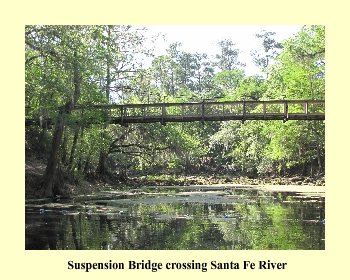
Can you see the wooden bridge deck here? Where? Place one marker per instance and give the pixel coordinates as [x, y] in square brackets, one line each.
[207, 111]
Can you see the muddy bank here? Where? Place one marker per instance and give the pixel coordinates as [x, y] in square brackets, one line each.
[306, 190]
[34, 171]
[168, 180]
[33, 188]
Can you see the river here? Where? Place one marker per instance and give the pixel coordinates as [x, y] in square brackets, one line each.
[179, 218]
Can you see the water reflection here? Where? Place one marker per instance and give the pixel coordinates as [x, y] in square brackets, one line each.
[241, 221]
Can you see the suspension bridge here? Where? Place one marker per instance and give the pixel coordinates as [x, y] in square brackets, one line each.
[124, 114]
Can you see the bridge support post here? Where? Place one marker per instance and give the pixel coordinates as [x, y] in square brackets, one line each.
[306, 109]
[203, 111]
[182, 111]
[163, 114]
[244, 112]
[143, 112]
[121, 114]
[223, 111]
[285, 111]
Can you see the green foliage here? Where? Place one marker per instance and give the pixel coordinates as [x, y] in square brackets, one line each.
[228, 58]
[251, 88]
[109, 61]
[300, 71]
[243, 148]
[228, 79]
[270, 48]
[297, 73]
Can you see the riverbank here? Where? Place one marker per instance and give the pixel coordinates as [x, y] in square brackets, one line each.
[35, 169]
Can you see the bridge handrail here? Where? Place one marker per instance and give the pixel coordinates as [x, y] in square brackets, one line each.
[142, 105]
[225, 110]
[160, 104]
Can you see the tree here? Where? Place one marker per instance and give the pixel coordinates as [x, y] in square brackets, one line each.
[63, 47]
[164, 71]
[297, 73]
[76, 65]
[228, 80]
[270, 49]
[71, 67]
[228, 58]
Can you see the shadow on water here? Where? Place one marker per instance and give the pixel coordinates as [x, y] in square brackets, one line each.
[177, 220]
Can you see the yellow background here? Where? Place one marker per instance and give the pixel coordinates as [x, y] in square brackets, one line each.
[17, 262]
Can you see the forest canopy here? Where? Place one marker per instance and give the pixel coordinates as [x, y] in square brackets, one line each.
[78, 65]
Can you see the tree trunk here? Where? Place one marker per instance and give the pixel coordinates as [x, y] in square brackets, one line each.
[86, 166]
[311, 169]
[187, 165]
[102, 164]
[51, 168]
[123, 176]
[80, 161]
[319, 160]
[41, 150]
[318, 147]
[72, 153]
[51, 171]
[64, 148]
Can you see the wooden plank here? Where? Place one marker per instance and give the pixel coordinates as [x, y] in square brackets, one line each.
[124, 120]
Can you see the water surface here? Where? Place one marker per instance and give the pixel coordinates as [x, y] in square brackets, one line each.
[163, 219]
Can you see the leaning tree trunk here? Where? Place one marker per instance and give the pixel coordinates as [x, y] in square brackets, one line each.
[64, 148]
[102, 164]
[51, 172]
[73, 150]
[51, 168]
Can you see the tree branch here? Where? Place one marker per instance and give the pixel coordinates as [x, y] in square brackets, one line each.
[116, 148]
